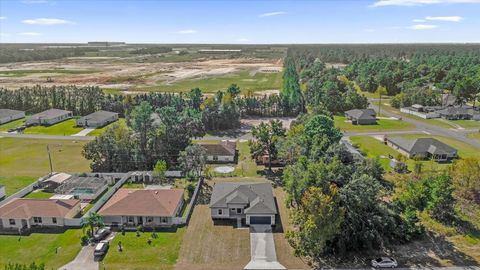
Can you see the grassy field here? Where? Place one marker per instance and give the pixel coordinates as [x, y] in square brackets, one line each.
[475, 135]
[137, 254]
[64, 128]
[29, 157]
[13, 124]
[15, 183]
[40, 248]
[99, 131]
[244, 79]
[39, 195]
[381, 125]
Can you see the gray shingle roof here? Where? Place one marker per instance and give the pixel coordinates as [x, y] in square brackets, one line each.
[259, 196]
[361, 114]
[224, 148]
[8, 112]
[98, 116]
[51, 113]
[423, 145]
[456, 111]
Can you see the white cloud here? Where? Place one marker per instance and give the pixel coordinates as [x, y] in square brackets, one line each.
[382, 3]
[47, 21]
[31, 34]
[419, 20]
[3, 18]
[269, 14]
[187, 31]
[422, 26]
[444, 18]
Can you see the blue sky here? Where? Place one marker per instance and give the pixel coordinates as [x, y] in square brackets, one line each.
[354, 21]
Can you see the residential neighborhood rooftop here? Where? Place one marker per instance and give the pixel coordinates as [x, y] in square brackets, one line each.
[51, 113]
[8, 112]
[98, 116]
[362, 113]
[420, 145]
[223, 148]
[22, 208]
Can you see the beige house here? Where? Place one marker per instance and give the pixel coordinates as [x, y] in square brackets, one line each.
[135, 207]
[48, 117]
[27, 213]
[223, 152]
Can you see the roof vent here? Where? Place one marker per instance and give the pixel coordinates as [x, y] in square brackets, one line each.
[156, 192]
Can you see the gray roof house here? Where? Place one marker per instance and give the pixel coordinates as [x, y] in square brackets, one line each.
[223, 152]
[48, 117]
[253, 202]
[7, 115]
[456, 113]
[361, 117]
[424, 148]
[97, 119]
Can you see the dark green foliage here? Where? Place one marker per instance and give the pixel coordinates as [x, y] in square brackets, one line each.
[18, 266]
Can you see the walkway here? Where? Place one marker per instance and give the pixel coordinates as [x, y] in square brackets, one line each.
[84, 132]
[262, 249]
[83, 261]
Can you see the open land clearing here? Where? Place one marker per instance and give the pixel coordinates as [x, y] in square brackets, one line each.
[123, 74]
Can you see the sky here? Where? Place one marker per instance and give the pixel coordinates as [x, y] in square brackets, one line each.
[248, 21]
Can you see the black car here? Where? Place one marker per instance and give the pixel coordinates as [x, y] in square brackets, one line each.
[101, 233]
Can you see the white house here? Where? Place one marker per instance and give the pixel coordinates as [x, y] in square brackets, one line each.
[97, 119]
[223, 152]
[48, 117]
[7, 115]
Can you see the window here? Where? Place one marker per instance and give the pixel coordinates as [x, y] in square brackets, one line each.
[220, 212]
[239, 210]
[215, 158]
[130, 219]
[12, 221]
[37, 219]
[149, 219]
[54, 220]
[232, 209]
[163, 220]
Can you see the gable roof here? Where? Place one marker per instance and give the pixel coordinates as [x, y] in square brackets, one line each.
[48, 114]
[224, 148]
[98, 116]
[8, 112]
[143, 202]
[28, 208]
[259, 196]
[423, 145]
[361, 114]
[456, 111]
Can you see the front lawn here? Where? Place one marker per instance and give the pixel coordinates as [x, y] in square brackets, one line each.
[99, 131]
[39, 195]
[15, 183]
[13, 124]
[54, 250]
[382, 125]
[162, 253]
[64, 128]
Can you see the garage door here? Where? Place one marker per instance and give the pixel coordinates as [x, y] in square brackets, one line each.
[260, 220]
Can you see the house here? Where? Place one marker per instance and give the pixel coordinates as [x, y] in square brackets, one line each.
[356, 155]
[425, 112]
[97, 119]
[423, 148]
[147, 207]
[253, 202]
[361, 117]
[51, 182]
[83, 188]
[27, 213]
[48, 117]
[7, 115]
[223, 152]
[456, 113]
[3, 193]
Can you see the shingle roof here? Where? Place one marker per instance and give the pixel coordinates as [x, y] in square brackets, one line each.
[259, 196]
[8, 112]
[28, 208]
[143, 202]
[224, 148]
[98, 116]
[51, 113]
[423, 145]
[361, 114]
[455, 111]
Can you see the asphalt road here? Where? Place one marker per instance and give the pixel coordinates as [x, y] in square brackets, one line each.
[47, 137]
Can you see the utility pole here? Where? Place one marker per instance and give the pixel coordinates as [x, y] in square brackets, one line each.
[50, 159]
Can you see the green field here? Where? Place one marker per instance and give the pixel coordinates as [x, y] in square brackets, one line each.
[64, 128]
[13, 124]
[15, 183]
[40, 248]
[475, 135]
[99, 131]
[244, 79]
[381, 125]
[162, 253]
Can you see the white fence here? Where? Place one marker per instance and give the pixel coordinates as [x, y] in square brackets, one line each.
[420, 114]
[20, 194]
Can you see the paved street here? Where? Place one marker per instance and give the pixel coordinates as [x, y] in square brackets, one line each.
[47, 137]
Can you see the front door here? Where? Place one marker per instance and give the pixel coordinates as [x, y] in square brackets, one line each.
[140, 220]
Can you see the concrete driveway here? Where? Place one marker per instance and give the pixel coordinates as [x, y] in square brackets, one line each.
[262, 249]
[83, 261]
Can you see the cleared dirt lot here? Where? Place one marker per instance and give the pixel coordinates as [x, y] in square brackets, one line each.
[222, 246]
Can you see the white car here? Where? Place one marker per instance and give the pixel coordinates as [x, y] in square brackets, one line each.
[384, 262]
[101, 248]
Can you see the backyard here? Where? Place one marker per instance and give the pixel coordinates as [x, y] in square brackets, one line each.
[64, 128]
[162, 253]
[382, 125]
[14, 124]
[54, 250]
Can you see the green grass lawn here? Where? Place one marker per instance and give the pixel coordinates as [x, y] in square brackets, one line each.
[22, 161]
[475, 135]
[467, 123]
[13, 124]
[15, 183]
[99, 131]
[39, 195]
[381, 125]
[40, 248]
[245, 80]
[137, 254]
[65, 128]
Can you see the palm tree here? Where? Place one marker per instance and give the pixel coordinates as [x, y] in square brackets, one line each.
[92, 220]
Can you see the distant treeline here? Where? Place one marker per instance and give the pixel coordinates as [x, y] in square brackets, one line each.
[152, 50]
[9, 54]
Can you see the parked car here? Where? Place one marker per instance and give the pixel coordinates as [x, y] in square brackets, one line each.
[384, 262]
[101, 233]
[101, 248]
